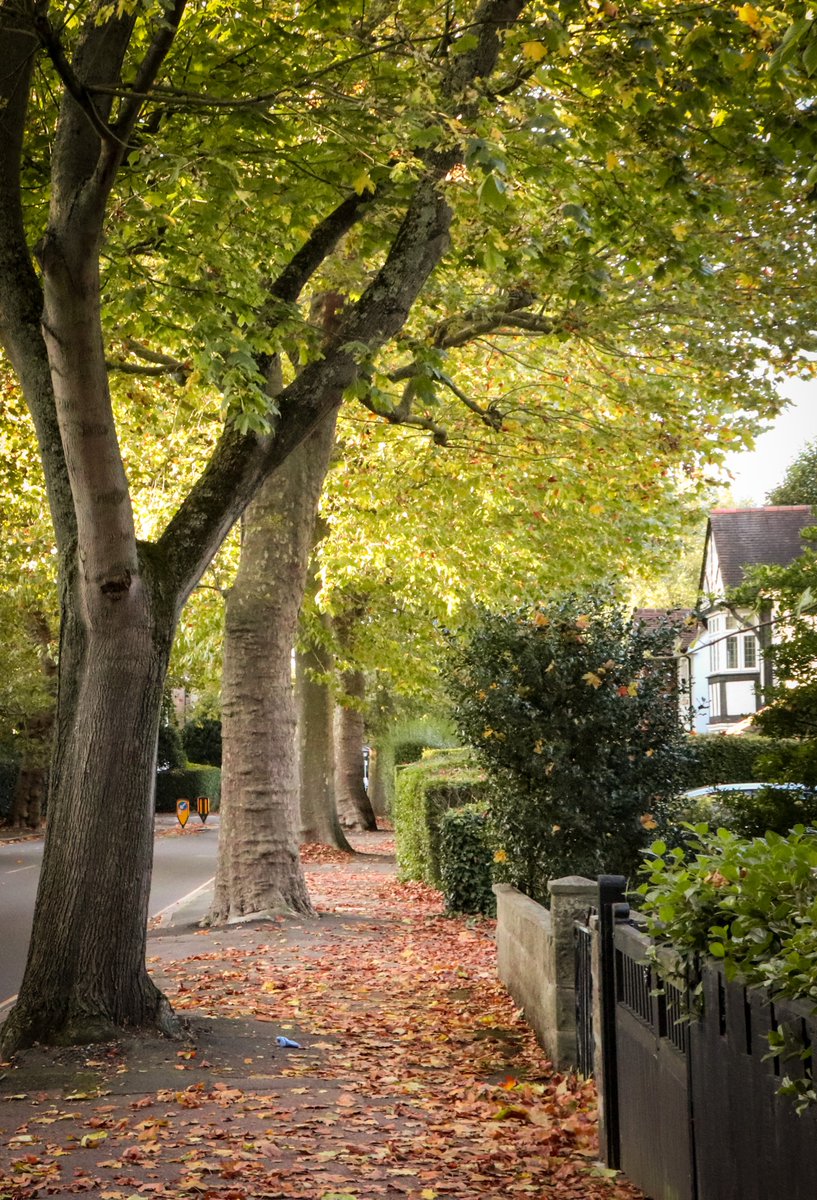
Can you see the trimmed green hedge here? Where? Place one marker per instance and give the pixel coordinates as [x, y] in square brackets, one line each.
[718, 758]
[466, 861]
[424, 792]
[408, 752]
[202, 741]
[187, 783]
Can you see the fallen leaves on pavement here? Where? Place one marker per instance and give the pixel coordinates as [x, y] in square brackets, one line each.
[416, 1077]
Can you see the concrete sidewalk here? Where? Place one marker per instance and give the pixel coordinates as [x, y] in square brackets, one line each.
[412, 1075]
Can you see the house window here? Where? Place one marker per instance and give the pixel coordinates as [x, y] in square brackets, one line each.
[714, 700]
[750, 652]
[731, 653]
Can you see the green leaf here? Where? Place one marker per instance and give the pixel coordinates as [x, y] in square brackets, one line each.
[493, 193]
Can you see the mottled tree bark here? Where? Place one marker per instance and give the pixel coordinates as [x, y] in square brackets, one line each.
[259, 869]
[353, 799]
[319, 815]
[120, 599]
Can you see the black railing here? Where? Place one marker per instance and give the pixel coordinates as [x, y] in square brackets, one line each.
[584, 999]
[691, 1090]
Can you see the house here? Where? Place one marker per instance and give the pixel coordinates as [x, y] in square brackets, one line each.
[726, 671]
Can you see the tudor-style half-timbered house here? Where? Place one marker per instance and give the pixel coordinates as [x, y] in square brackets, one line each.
[728, 672]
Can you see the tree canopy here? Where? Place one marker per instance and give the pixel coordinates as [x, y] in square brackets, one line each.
[247, 203]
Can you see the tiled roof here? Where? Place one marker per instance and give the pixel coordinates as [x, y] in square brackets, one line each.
[682, 619]
[752, 536]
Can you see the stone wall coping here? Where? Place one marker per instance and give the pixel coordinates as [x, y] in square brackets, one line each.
[572, 885]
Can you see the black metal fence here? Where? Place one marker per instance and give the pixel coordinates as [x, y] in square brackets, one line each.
[691, 1095]
[584, 999]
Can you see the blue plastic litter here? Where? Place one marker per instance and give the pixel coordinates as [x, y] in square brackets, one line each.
[288, 1042]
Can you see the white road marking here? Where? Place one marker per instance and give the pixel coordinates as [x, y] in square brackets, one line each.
[17, 870]
[7, 1003]
[176, 903]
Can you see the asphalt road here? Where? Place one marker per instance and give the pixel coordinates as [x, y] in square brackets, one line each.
[180, 866]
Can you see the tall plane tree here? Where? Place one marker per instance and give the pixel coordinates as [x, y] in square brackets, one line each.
[119, 73]
[594, 331]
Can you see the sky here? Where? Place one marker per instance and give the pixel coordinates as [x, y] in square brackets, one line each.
[757, 471]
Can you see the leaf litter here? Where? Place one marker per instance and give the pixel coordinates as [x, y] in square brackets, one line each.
[418, 1079]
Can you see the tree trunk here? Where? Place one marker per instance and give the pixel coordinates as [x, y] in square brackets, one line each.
[319, 815]
[259, 869]
[86, 975]
[377, 787]
[353, 799]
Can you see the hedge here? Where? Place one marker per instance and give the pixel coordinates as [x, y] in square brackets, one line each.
[424, 792]
[187, 783]
[466, 861]
[170, 751]
[202, 741]
[720, 758]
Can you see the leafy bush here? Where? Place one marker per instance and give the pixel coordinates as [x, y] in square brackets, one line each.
[170, 751]
[466, 861]
[187, 783]
[202, 741]
[408, 752]
[573, 709]
[425, 791]
[751, 904]
[8, 779]
[753, 814]
[718, 758]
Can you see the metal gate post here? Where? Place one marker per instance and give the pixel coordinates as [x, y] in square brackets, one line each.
[612, 907]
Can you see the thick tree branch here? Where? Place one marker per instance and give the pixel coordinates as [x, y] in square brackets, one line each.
[241, 462]
[318, 246]
[54, 49]
[160, 364]
[151, 65]
[21, 300]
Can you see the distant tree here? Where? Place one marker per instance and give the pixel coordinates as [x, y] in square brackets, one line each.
[799, 484]
[789, 716]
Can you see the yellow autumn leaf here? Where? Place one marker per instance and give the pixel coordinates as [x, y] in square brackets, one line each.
[93, 1139]
[632, 688]
[500, 856]
[534, 51]
[540, 620]
[363, 183]
[592, 679]
[749, 15]
[582, 621]
[611, 160]
[429, 1194]
[648, 821]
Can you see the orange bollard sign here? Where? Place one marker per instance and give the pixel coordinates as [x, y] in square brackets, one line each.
[203, 807]
[183, 812]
